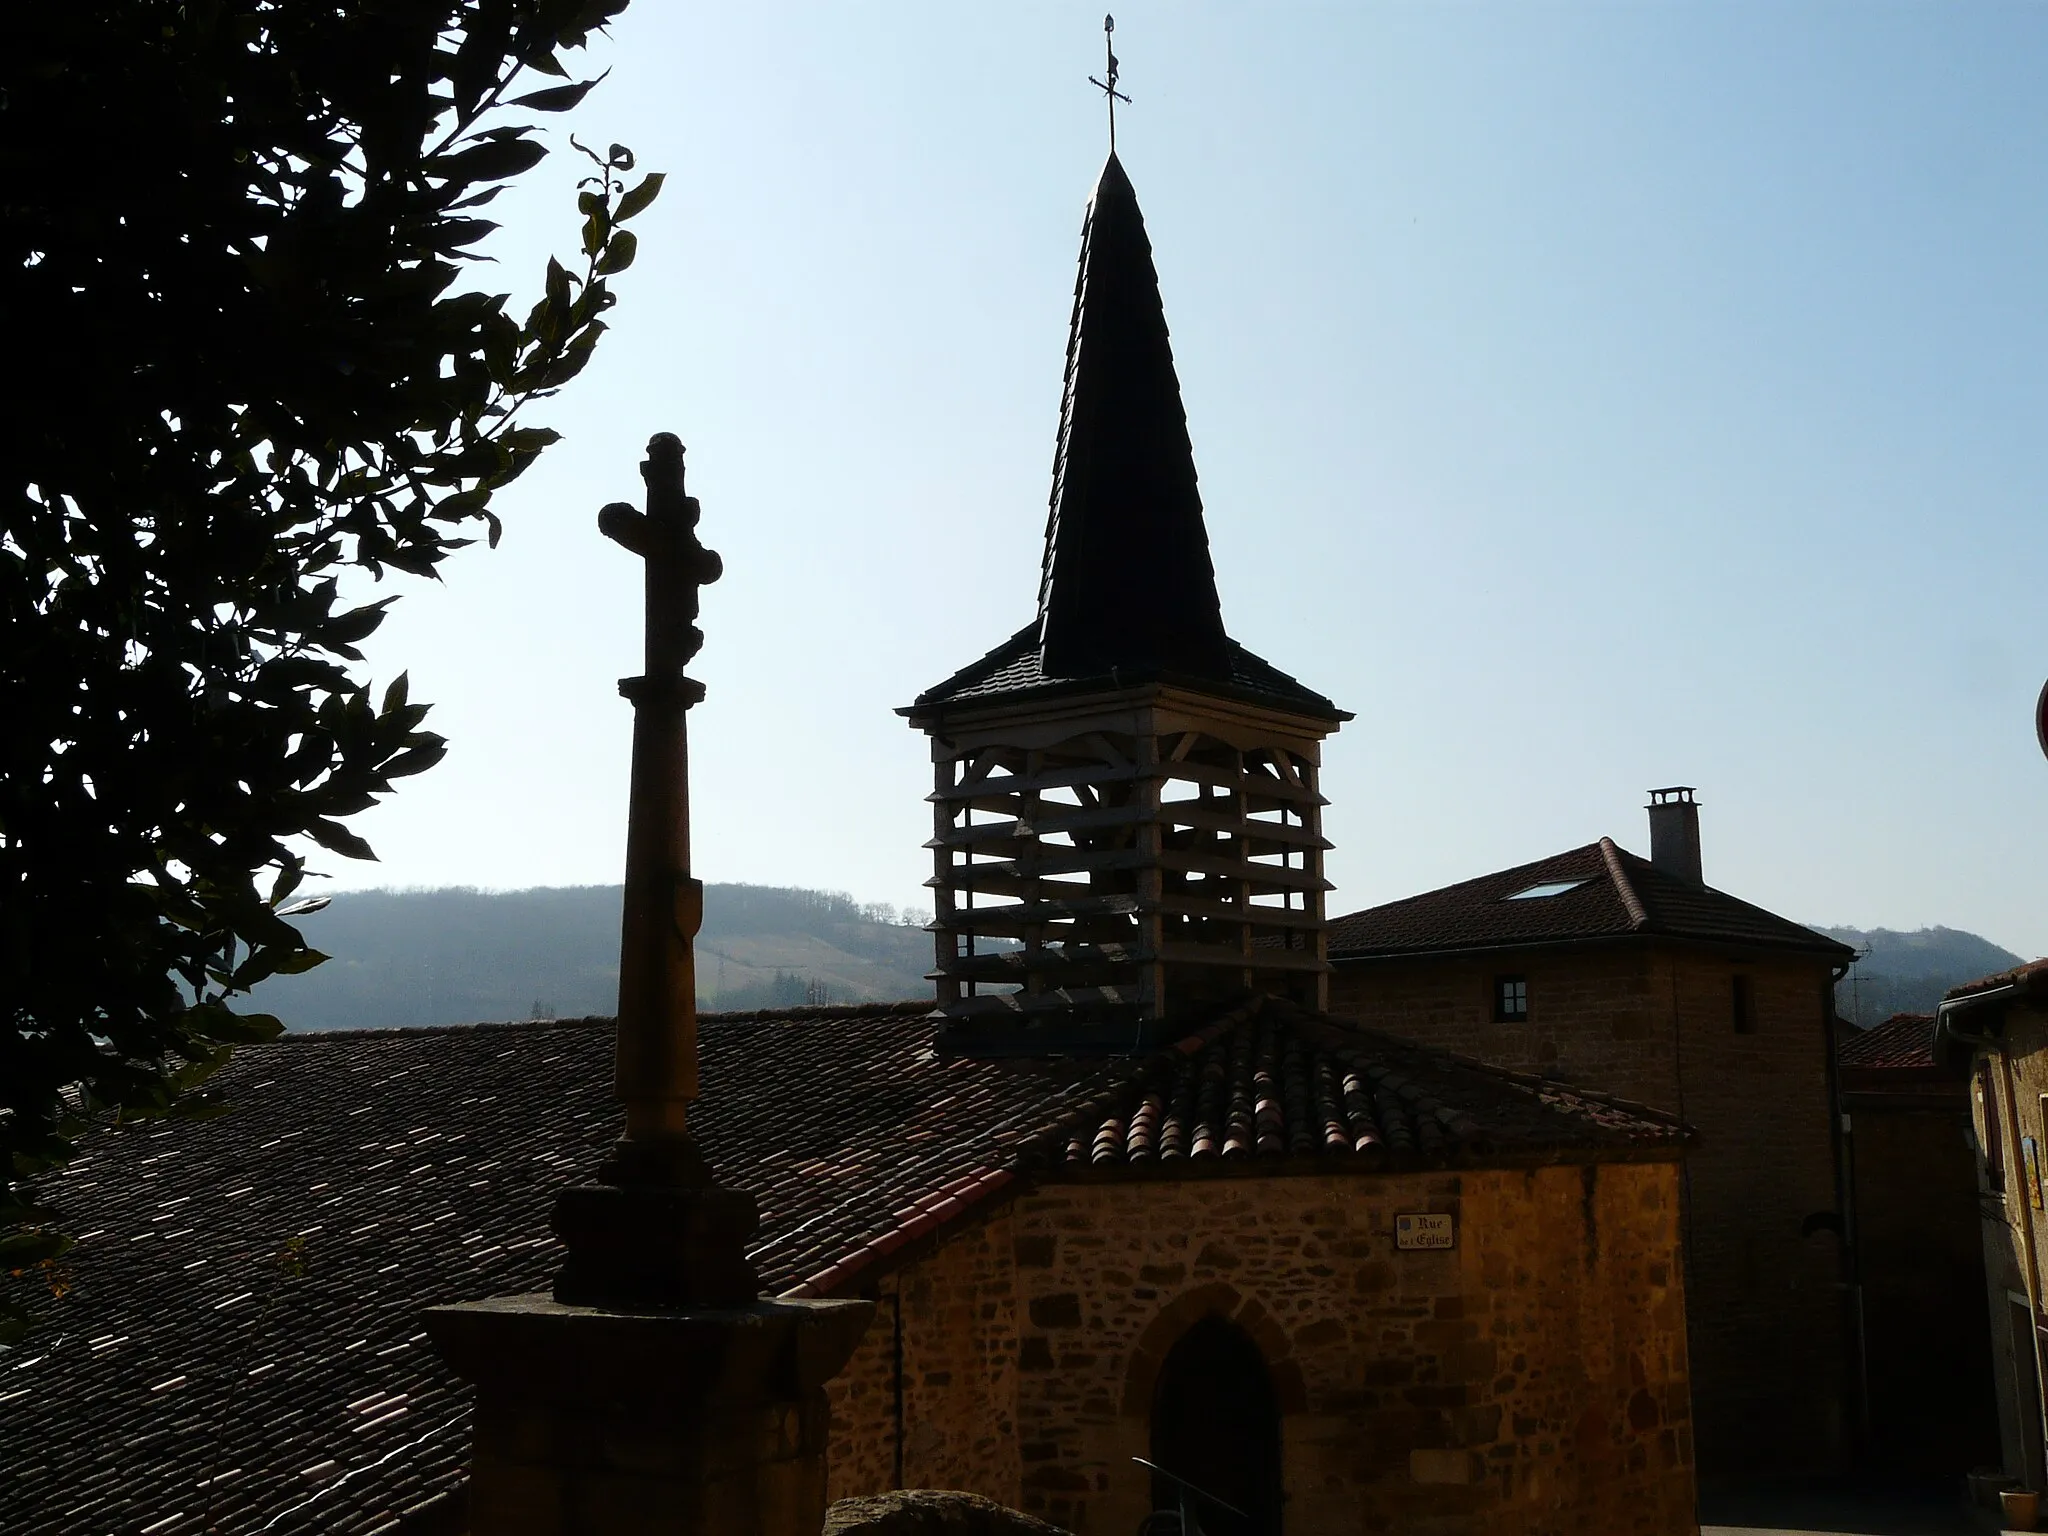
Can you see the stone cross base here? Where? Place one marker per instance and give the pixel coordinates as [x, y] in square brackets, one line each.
[605, 1423]
[655, 1247]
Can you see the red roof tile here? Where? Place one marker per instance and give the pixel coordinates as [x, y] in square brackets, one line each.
[1905, 1040]
[190, 1378]
[1613, 895]
[2031, 977]
[1273, 1080]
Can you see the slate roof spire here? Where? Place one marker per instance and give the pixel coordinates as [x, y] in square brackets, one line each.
[1127, 582]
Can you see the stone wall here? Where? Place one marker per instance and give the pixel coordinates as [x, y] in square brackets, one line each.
[1656, 1023]
[1598, 1014]
[952, 1318]
[1530, 1380]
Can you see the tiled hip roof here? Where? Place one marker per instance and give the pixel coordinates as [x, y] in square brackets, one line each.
[1274, 1081]
[1609, 893]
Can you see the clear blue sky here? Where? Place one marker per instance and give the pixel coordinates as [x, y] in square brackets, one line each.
[1592, 397]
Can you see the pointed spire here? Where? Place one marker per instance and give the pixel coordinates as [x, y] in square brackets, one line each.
[1127, 583]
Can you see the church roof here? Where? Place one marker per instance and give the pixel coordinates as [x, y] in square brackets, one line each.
[240, 1348]
[1274, 1080]
[1127, 580]
[1127, 589]
[1016, 670]
[1603, 892]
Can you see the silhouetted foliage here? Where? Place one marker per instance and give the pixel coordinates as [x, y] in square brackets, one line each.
[234, 233]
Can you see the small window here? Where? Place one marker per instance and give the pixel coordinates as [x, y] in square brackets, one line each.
[1546, 888]
[1994, 1133]
[1510, 999]
[1743, 1001]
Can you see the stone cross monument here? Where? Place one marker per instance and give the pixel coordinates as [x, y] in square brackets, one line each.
[657, 1070]
[657, 1228]
[656, 1390]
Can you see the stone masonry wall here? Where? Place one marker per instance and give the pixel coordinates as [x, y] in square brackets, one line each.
[1655, 1023]
[1597, 1014]
[959, 1386]
[1531, 1380]
[1770, 1328]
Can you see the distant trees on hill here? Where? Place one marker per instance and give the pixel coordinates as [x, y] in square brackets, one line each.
[462, 955]
[1908, 972]
[793, 909]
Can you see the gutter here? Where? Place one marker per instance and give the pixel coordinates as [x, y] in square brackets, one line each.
[1949, 1034]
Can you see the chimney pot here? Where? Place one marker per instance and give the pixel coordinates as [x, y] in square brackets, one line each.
[1675, 832]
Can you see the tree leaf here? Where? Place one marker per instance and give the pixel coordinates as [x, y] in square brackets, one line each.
[556, 98]
[637, 199]
[619, 253]
[494, 161]
[249, 1028]
[336, 838]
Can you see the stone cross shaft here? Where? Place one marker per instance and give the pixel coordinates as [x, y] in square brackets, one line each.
[664, 905]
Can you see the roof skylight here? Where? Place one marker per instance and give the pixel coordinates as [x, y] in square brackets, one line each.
[1544, 888]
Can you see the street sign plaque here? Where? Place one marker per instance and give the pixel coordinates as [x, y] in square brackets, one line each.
[1426, 1230]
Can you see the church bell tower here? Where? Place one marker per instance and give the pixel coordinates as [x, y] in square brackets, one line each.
[1127, 823]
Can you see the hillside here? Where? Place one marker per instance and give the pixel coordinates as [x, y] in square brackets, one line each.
[458, 956]
[1909, 972]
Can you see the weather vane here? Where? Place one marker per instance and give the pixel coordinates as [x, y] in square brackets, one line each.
[1108, 85]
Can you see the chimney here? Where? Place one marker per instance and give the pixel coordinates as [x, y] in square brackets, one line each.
[1675, 832]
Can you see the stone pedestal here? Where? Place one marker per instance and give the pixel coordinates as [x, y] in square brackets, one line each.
[655, 1247]
[593, 1422]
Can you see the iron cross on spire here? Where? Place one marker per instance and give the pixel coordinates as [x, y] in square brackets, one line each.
[1107, 85]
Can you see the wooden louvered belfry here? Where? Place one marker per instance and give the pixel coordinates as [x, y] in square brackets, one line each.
[1127, 821]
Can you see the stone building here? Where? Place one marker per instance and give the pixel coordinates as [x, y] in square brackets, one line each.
[1121, 1190]
[1999, 1027]
[1633, 976]
[1918, 1250]
[240, 1347]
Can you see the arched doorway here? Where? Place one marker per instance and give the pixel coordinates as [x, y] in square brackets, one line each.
[1216, 1422]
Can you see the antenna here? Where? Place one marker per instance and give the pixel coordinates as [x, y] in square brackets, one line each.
[1107, 85]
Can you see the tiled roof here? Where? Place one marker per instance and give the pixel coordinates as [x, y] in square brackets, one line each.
[1614, 895]
[193, 1378]
[2030, 978]
[1016, 668]
[1905, 1040]
[1275, 1081]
